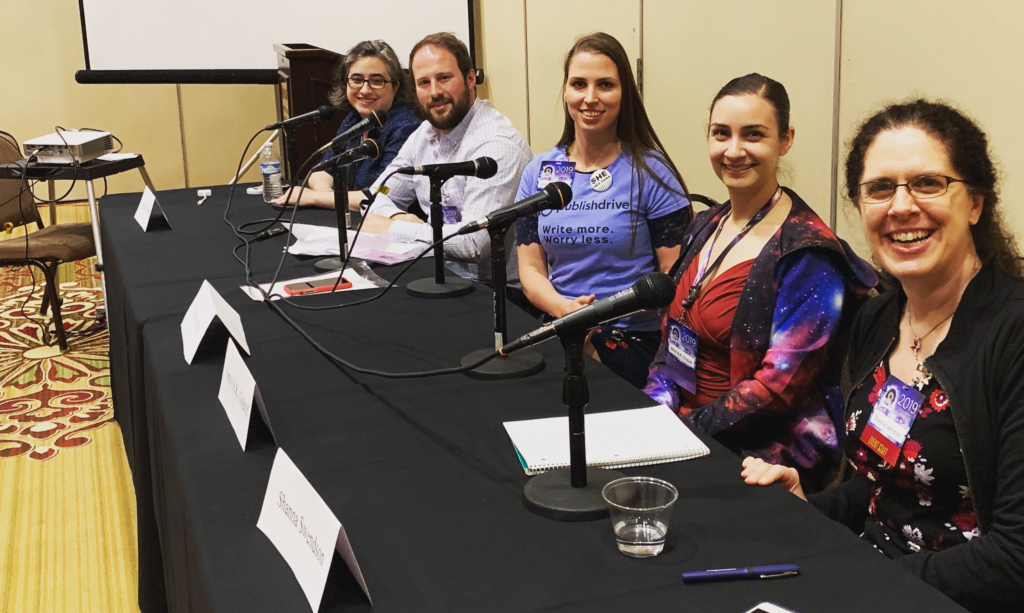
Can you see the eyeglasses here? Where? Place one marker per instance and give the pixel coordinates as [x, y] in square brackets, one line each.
[376, 82]
[922, 187]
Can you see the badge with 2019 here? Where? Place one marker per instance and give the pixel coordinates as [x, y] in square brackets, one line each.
[556, 172]
[891, 418]
[682, 355]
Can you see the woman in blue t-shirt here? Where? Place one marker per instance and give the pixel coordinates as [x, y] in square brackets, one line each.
[628, 212]
[369, 78]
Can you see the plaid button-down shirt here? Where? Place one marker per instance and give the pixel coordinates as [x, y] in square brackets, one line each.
[483, 132]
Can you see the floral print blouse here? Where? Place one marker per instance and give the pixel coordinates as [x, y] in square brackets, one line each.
[923, 502]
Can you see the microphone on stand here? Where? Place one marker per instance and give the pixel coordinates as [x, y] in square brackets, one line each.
[375, 119]
[442, 286]
[482, 167]
[367, 150]
[651, 291]
[321, 114]
[553, 196]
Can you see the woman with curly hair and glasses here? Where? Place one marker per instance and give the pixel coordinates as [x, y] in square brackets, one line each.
[935, 422]
[369, 78]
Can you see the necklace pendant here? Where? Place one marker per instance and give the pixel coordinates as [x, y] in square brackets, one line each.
[692, 295]
[916, 345]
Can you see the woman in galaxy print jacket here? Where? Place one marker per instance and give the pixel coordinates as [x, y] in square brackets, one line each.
[768, 318]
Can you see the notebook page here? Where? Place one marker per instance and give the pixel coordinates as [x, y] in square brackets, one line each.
[614, 439]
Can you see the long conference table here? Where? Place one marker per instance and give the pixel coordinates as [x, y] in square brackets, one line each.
[420, 472]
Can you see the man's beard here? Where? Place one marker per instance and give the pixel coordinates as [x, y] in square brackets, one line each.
[456, 113]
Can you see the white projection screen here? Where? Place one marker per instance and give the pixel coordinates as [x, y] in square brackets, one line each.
[197, 39]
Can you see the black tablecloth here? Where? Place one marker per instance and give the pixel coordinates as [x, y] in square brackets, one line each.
[420, 472]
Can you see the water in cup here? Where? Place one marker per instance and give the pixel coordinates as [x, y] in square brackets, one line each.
[640, 508]
[639, 538]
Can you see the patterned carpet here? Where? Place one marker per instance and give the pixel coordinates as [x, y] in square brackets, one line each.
[48, 402]
[67, 506]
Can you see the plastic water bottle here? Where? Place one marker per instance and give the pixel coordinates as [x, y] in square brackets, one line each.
[270, 168]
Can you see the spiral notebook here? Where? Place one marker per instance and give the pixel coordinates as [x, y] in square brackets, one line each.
[616, 439]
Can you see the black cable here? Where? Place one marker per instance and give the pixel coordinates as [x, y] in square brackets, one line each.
[362, 219]
[295, 325]
[355, 239]
[370, 371]
[24, 225]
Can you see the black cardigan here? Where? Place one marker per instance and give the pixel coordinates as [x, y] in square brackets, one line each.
[980, 365]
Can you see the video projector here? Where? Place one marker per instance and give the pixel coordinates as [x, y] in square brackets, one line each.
[69, 146]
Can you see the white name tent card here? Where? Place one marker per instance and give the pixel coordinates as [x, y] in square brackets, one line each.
[304, 530]
[150, 215]
[238, 394]
[200, 326]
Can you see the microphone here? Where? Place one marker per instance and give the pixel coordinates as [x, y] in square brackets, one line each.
[321, 114]
[553, 196]
[375, 119]
[651, 291]
[482, 167]
[367, 150]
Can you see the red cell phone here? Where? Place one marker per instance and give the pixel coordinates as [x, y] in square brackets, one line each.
[315, 287]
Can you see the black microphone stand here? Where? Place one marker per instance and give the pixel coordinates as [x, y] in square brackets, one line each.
[441, 286]
[341, 183]
[290, 156]
[517, 364]
[574, 493]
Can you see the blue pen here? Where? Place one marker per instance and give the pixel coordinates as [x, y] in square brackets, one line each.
[751, 572]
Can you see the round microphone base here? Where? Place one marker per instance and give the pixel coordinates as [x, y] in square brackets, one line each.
[453, 287]
[332, 264]
[550, 495]
[515, 366]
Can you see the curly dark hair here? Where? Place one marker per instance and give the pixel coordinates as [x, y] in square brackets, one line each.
[967, 147]
[404, 92]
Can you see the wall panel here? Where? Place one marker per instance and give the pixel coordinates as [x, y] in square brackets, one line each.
[219, 120]
[968, 54]
[692, 48]
[501, 52]
[552, 26]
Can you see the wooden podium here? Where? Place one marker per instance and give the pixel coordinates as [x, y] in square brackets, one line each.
[306, 75]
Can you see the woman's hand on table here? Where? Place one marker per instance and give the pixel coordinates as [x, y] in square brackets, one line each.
[758, 472]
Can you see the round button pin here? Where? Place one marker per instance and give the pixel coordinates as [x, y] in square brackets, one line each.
[601, 180]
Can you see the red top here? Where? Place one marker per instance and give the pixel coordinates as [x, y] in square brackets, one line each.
[711, 318]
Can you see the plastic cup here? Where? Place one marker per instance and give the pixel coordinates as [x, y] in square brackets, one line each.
[640, 508]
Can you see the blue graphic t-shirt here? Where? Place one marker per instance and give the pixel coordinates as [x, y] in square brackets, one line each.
[590, 244]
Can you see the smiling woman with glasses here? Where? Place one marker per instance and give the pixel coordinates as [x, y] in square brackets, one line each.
[939, 481]
[921, 187]
[369, 78]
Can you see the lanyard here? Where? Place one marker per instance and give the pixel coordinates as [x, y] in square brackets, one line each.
[703, 272]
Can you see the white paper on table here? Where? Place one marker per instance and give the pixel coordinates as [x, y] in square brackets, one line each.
[358, 282]
[116, 157]
[314, 240]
